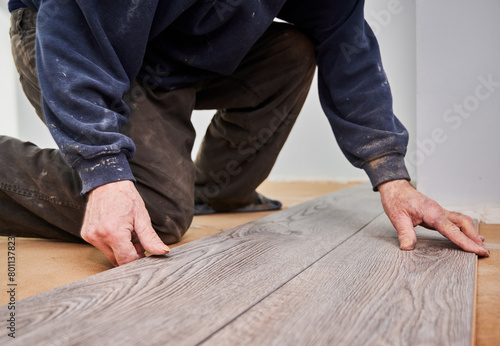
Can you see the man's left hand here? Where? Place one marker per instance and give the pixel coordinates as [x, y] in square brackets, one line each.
[407, 208]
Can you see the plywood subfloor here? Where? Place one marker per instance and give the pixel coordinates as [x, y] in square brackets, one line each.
[488, 290]
[328, 271]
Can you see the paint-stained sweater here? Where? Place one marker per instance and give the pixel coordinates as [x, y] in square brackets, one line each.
[89, 52]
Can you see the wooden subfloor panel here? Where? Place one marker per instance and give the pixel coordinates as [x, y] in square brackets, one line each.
[200, 287]
[488, 290]
[368, 292]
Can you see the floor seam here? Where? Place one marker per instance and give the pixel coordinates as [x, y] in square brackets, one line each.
[286, 282]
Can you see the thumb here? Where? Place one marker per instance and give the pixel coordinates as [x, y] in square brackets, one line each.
[148, 238]
[406, 233]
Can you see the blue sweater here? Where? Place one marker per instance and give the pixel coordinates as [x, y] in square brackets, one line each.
[15, 4]
[88, 52]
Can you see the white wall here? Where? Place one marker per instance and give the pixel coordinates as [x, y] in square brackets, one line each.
[8, 119]
[311, 152]
[458, 113]
[17, 116]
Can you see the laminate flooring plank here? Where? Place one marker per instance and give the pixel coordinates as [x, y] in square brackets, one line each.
[368, 292]
[201, 286]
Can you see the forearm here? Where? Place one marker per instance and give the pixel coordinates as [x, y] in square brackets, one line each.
[357, 100]
[84, 70]
[354, 91]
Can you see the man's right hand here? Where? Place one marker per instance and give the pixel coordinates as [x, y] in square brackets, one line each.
[117, 223]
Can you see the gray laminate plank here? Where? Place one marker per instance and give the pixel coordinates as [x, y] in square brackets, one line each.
[368, 292]
[200, 286]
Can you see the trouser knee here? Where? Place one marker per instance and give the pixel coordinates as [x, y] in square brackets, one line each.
[296, 53]
[170, 218]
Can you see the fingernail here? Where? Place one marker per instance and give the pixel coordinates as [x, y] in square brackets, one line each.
[486, 249]
[405, 245]
[165, 248]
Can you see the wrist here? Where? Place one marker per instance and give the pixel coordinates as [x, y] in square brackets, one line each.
[121, 185]
[394, 186]
[385, 169]
[103, 170]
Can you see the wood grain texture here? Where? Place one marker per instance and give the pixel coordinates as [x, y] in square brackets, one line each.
[199, 287]
[368, 292]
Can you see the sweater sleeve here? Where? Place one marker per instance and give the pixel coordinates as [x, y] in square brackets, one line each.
[353, 88]
[87, 54]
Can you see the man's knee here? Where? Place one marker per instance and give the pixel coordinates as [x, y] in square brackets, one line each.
[171, 221]
[296, 51]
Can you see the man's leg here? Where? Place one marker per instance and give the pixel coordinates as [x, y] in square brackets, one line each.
[258, 105]
[160, 126]
[40, 193]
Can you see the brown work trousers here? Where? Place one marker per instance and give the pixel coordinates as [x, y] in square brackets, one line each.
[256, 108]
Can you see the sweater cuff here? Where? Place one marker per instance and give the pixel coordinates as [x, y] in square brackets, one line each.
[103, 170]
[386, 168]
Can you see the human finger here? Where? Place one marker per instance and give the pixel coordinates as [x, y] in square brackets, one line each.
[466, 224]
[138, 246]
[406, 233]
[124, 251]
[106, 250]
[453, 233]
[109, 254]
[148, 238]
